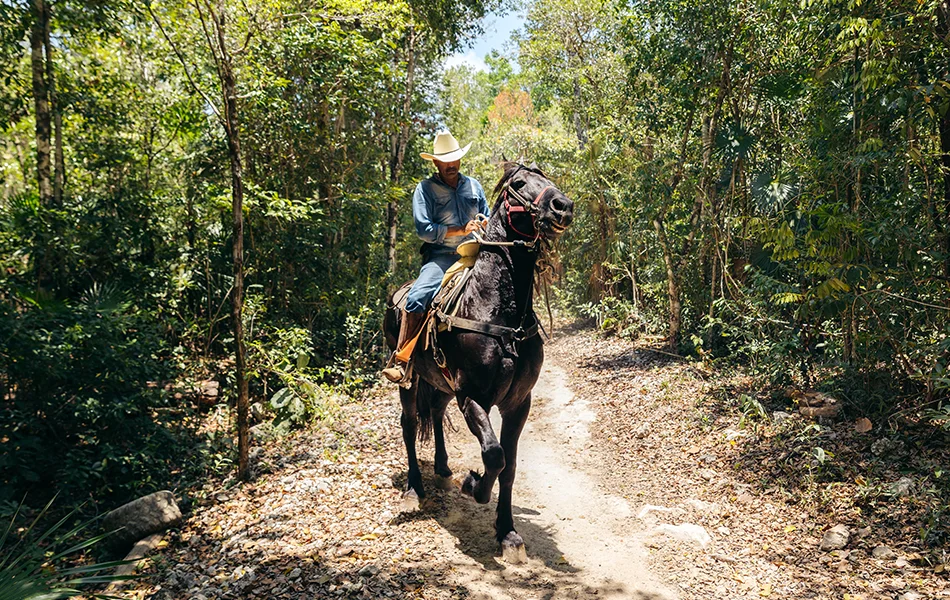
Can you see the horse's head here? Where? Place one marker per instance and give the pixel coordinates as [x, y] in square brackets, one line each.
[535, 207]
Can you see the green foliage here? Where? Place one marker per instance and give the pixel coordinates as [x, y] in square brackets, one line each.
[939, 416]
[78, 413]
[751, 409]
[766, 181]
[33, 569]
[618, 316]
[279, 359]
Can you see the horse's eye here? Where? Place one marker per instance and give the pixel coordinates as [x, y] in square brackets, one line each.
[518, 184]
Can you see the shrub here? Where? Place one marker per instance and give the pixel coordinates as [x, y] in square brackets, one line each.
[77, 410]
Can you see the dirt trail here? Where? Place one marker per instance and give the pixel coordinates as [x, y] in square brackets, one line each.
[580, 539]
[323, 517]
[611, 423]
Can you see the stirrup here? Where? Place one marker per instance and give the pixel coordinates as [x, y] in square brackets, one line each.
[406, 381]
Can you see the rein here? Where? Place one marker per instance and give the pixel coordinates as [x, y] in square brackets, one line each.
[523, 207]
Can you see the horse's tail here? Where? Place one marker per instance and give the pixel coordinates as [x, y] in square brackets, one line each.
[424, 395]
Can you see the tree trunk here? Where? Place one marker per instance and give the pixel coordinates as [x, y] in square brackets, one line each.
[600, 274]
[945, 163]
[578, 120]
[634, 284]
[232, 127]
[191, 217]
[398, 154]
[41, 102]
[672, 285]
[392, 220]
[59, 170]
[710, 128]
[713, 279]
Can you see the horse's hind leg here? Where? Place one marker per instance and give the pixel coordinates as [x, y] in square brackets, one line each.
[440, 402]
[512, 546]
[493, 456]
[409, 421]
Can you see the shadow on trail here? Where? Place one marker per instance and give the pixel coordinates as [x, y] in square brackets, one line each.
[289, 577]
[472, 524]
[822, 467]
[230, 564]
[643, 358]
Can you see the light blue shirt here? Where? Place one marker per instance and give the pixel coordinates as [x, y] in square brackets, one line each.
[436, 207]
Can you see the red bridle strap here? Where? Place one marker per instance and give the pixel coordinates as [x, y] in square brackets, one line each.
[522, 208]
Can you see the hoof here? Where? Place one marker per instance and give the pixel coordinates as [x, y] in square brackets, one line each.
[414, 484]
[512, 549]
[471, 481]
[443, 471]
[409, 502]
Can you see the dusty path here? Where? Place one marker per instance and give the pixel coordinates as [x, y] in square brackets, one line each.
[580, 539]
[323, 518]
[615, 428]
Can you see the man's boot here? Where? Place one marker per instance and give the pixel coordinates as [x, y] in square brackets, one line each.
[409, 331]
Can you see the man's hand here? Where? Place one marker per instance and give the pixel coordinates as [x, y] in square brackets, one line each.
[469, 227]
[474, 225]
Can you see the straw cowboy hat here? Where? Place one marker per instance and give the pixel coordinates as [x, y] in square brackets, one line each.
[446, 148]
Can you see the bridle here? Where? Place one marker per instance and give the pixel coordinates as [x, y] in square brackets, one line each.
[530, 243]
[520, 205]
[523, 206]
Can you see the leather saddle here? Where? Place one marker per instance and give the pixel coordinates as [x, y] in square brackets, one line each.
[442, 315]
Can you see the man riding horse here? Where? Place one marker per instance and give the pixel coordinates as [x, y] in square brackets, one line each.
[484, 349]
[444, 207]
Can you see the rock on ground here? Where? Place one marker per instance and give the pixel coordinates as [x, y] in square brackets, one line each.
[835, 538]
[902, 487]
[883, 552]
[141, 518]
[686, 532]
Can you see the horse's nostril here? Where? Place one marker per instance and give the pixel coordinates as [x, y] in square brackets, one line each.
[562, 204]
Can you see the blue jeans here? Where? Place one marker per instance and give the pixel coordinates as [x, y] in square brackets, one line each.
[429, 281]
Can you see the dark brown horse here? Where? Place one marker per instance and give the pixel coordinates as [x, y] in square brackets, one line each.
[493, 352]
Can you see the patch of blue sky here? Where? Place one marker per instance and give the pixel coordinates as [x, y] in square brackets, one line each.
[496, 35]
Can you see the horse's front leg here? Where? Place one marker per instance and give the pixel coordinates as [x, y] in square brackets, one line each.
[409, 421]
[512, 546]
[493, 456]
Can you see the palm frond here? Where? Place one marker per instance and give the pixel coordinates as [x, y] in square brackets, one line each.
[27, 573]
[104, 297]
